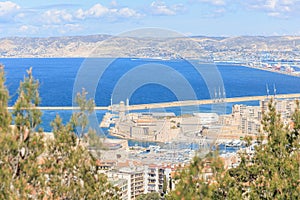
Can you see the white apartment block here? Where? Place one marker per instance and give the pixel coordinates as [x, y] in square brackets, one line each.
[135, 181]
[141, 180]
[156, 178]
[248, 118]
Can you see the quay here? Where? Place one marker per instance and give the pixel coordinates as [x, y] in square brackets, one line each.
[179, 103]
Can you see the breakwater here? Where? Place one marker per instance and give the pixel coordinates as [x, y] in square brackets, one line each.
[178, 103]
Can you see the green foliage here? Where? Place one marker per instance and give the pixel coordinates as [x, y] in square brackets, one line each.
[35, 165]
[79, 120]
[27, 116]
[20, 147]
[165, 185]
[149, 196]
[271, 173]
[70, 168]
[248, 140]
[5, 116]
[191, 183]
[294, 135]
[93, 140]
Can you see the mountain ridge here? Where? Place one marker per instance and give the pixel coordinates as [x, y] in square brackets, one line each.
[103, 45]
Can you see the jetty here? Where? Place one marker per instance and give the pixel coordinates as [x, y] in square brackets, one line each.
[209, 101]
[179, 103]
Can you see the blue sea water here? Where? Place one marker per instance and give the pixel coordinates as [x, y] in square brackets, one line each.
[57, 77]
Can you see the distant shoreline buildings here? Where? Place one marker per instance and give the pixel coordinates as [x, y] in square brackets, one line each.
[247, 119]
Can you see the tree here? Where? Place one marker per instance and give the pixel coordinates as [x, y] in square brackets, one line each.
[70, 169]
[5, 116]
[68, 165]
[248, 140]
[36, 165]
[191, 182]
[6, 146]
[79, 120]
[165, 185]
[272, 173]
[27, 116]
[149, 196]
[21, 146]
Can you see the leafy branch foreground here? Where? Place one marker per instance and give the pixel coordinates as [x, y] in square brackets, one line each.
[37, 165]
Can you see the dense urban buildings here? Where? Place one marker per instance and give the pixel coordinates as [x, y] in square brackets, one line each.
[139, 170]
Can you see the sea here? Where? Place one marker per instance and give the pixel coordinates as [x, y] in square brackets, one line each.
[143, 81]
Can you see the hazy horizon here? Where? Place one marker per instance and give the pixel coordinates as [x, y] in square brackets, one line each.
[111, 35]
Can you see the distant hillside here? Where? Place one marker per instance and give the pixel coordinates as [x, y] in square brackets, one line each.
[49, 47]
[109, 46]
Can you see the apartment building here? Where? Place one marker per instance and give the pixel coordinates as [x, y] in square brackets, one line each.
[134, 177]
[248, 118]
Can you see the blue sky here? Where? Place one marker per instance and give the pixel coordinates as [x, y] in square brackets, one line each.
[189, 17]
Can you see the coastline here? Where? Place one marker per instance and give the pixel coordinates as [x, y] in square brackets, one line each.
[274, 71]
